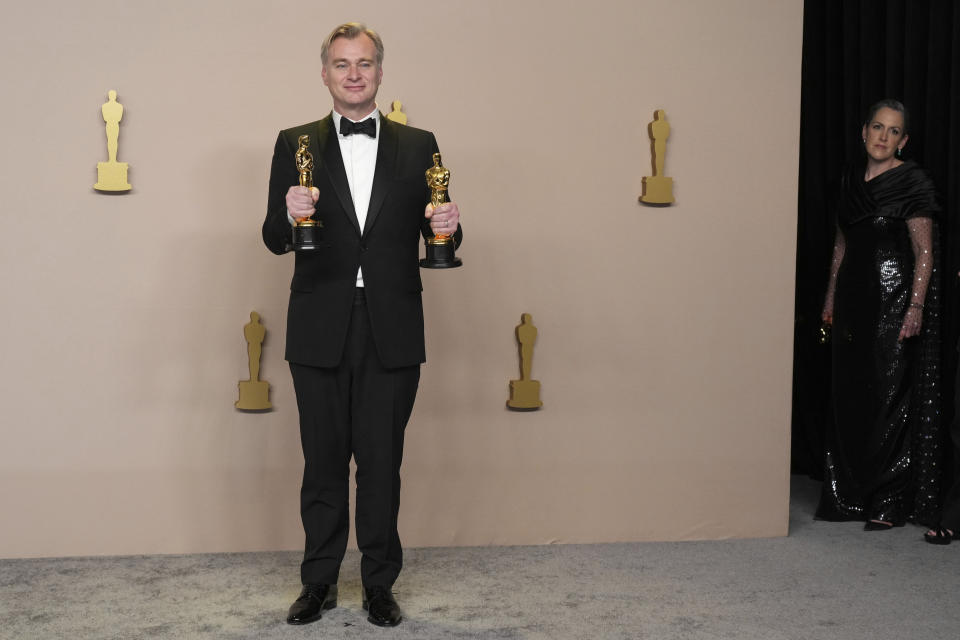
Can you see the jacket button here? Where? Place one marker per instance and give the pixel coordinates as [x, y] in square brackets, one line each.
[363, 247]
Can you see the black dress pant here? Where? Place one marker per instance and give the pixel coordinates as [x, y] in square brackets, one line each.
[357, 408]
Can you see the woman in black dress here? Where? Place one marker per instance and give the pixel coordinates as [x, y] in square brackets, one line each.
[882, 450]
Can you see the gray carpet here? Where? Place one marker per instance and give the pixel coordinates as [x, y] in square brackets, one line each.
[826, 580]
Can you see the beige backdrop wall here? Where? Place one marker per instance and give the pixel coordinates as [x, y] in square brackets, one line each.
[665, 333]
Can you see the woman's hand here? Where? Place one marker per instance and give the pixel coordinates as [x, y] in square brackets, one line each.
[827, 315]
[911, 323]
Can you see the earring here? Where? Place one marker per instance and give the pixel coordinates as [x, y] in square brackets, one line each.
[899, 153]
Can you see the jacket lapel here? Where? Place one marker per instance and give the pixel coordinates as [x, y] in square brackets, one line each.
[333, 165]
[384, 173]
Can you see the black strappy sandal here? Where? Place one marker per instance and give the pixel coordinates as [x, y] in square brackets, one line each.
[941, 535]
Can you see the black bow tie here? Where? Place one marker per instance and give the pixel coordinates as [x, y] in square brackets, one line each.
[367, 127]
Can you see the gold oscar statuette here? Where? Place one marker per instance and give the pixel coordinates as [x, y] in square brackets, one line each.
[440, 248]
[306, 231]
[525, 392]
[397, 115]
[112, 175]
[254, 392]
[658, 189]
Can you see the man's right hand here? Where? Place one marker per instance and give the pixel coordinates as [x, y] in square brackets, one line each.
[301, 201]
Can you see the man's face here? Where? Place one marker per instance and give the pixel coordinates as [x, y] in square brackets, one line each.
[352, 75]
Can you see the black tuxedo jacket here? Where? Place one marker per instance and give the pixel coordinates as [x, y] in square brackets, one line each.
[388, 247]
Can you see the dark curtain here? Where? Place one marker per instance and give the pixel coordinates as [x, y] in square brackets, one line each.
[856, 52]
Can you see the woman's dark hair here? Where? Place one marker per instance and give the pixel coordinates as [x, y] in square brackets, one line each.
[889, 103]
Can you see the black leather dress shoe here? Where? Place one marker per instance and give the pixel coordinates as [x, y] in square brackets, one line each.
[313, 601]
[382, 607]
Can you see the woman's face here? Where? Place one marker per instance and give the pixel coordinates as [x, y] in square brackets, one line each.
[883, 135]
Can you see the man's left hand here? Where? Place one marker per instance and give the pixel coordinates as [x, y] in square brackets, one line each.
[443, 219]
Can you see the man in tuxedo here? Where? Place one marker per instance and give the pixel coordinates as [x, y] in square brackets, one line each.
[355, 319]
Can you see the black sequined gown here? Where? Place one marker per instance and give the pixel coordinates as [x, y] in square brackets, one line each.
[883, 449]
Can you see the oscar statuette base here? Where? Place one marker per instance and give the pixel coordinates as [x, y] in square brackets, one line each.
[254, 395]
[306, 236]
[657, 190]
[524, 395]
[112, 176]
[440, 255]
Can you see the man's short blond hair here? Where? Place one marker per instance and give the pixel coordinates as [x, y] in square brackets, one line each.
[351, 30]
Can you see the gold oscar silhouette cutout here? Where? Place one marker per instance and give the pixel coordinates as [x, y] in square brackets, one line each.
[306, 231]
[658, 189]
[397, 115]
[440, 249]
[112, 175]
[525, 393]
[254, 393]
